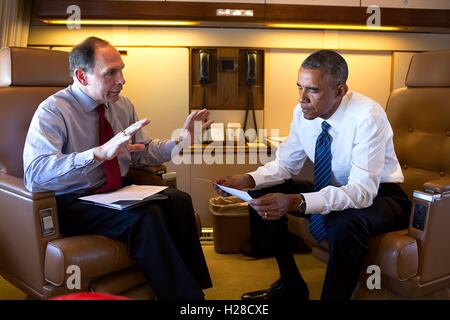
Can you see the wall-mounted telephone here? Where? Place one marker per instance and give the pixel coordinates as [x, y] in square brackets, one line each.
[250, 78]
[251, 67]
[204, 66]
[204, 78]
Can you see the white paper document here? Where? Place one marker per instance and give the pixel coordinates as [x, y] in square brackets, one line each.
[243, 195]
[127, 197]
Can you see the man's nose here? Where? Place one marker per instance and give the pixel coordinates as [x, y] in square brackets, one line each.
[120, 78]
[303, 96]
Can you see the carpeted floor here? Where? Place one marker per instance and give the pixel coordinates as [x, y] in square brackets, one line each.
[9, 292]
[234, 274]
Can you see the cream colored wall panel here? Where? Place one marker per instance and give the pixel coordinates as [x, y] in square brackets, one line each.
[183, 175]
[408, 4]
[157, 83]
[394, 41]
[400, 66]
[281, 94]
[346, 3]
[258, 38]
[369, 74]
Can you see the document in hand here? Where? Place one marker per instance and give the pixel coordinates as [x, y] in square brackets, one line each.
[127, 197]
[243, 195]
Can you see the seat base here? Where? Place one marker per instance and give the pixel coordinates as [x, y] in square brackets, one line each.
[362, 293]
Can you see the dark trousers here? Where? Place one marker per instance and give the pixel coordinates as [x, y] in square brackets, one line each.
[161, 237]
[348, 234]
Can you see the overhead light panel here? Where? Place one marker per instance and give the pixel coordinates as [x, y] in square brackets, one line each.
[332, 26]
[121, 22]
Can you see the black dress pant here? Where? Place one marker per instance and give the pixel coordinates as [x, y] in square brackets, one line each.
[348, 233]
[161, 237]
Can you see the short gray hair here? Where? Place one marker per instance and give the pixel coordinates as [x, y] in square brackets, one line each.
[82, 56]
[330, 63]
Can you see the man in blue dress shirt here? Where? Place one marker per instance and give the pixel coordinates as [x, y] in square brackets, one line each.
[63, 154]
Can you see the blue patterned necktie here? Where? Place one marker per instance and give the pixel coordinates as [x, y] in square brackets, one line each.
[322, 178]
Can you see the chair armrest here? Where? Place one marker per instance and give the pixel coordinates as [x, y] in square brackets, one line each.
[150, 175]
[429, 223]
[21, 227]
[15, 185]
[438, 186]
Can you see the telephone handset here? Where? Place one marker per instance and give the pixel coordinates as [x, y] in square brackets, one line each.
[204, 66]
[250, 78]
[203, 79]
[251, 68]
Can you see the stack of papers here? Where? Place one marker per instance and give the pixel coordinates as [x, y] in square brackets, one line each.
[127, 197]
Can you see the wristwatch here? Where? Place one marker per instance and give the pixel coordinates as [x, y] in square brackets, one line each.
[302, 205]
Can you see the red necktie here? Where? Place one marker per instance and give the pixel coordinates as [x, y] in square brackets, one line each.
[111, 167]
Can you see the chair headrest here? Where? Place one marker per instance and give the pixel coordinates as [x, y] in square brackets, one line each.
[429, 69]
[34, 67]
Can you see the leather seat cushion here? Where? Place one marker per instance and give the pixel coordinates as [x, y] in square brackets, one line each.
[396, 253]
[96, 256]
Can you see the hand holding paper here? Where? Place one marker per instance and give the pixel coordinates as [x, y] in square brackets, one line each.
[229, 191]
[235, 192]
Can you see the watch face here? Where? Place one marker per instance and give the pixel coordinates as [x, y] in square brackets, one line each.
[302, 206]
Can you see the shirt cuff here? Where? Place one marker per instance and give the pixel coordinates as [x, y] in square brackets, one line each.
[315, 202]
[170, 144]
[259, 179]
[84, 158]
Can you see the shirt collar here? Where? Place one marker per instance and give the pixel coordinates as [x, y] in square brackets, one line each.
[87, 103]
[335, 121]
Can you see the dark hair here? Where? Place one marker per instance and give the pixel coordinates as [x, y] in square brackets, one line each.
[330, 63]
[82, 56]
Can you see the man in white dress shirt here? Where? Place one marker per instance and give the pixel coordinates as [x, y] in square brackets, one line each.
[356, 192]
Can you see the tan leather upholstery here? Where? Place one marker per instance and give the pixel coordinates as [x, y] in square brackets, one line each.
[396, 254]
[33, 67]
[34, 261]
[415, 262]
[429, 69]
[87, 253]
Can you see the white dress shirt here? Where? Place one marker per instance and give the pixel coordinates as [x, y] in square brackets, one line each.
[58, 154]
[362, 149]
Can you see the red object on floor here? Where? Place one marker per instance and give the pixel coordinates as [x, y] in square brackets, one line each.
[90, 296]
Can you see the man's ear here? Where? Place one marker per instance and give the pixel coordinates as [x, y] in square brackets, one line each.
[342, 90]
[80, 75]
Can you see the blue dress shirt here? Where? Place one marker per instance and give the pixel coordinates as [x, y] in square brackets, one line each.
[58, 154]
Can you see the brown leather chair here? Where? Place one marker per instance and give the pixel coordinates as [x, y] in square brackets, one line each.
[34, 256]
[414, 262]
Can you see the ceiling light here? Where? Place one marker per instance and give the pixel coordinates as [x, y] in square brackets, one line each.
[121, 22]
[331, 26]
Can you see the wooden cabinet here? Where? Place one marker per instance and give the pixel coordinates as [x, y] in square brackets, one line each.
[343, 3]
[406, 15]
[408, 4]
[239, 160]
[220, 1]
